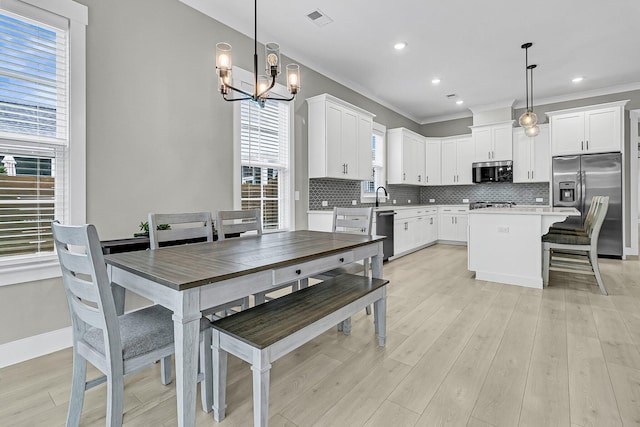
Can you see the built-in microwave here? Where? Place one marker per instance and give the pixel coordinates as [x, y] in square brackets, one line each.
[493, 171]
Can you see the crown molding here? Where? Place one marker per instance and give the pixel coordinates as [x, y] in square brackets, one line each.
[586, 94]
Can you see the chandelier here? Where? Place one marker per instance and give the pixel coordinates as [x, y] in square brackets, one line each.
[262, 84]
[528, 120]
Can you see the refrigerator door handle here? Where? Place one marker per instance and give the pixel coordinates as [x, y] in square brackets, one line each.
[583, 193]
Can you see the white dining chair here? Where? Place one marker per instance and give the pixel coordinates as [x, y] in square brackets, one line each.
[178, 228]
[576, 252]
[241, 222]
[116, 345]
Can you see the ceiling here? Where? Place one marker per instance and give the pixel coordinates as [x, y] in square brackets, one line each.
[473, 48]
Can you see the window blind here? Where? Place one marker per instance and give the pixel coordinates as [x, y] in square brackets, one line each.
[264, 150]
[33, 80]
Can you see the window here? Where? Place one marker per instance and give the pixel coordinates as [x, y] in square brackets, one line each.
[265, 158]
[377, 165]
[38, 139]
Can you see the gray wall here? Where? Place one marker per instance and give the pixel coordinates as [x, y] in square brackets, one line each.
[159, 136]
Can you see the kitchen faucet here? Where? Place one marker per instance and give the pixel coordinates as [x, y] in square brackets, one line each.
[385, 194]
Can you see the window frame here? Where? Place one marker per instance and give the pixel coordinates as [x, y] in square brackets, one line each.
[242, 75]
[366, 197]
[31, 268]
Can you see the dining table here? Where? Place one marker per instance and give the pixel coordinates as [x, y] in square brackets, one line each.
[188, 279]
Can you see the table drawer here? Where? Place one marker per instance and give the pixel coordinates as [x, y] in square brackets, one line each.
[309, 268]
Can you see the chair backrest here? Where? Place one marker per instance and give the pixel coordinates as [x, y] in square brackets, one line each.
[600, 214]
[352, 220]
[183, 226]
[588, 220]
[87, 285]
[232, 222]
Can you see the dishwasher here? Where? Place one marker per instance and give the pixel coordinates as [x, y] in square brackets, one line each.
[384, 227]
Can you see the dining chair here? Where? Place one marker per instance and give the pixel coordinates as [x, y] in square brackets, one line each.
[576, 253]
[354, 221]
[246, 221]
[116, 345]
[183, 228]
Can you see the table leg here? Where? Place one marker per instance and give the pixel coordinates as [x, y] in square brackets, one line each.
[186, 328]
[376, 272]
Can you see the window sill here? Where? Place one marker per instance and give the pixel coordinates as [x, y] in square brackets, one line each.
[29, 270]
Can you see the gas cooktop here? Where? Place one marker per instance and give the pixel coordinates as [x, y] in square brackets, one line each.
[480, 205]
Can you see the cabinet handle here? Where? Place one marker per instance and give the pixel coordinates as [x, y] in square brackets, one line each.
[341, 259]
[419, 178]
[427, 178]
[489, 154]
[404, 176]
[528, 174]
[347, 168]
[298, 271]
[406, 225]
[430, 220]
[582, 145]
[587, 145]
[531, 174]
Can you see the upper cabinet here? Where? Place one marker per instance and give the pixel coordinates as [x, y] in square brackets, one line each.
[492, 142]
[433, 165]
[339, 139]
[593, 129]
[406, 157]
[531, 156]
[457, 155]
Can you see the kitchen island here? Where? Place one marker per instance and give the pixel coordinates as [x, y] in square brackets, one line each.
[505, 243]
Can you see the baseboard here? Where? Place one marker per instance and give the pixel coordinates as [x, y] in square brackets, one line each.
[31, 347]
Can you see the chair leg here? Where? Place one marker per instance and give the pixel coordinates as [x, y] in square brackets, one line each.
[165, 370]
[115, 392]
[593, 258]
[219, 365]
[546, 260]
[206, 367]
[78, 382]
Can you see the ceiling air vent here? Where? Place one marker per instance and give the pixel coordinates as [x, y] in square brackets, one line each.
[319, 18]
[451, 95]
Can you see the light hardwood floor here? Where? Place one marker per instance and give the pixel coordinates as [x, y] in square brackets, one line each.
[459, 352]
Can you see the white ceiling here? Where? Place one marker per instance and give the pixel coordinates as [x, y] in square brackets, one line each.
[472, 46]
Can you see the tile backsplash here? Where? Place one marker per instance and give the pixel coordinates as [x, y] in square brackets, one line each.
[522, 194]
[339, 192]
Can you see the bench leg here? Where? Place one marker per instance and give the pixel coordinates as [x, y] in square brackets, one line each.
[346, 326]
[261, 372]
[380, 314]
[206, 367]
[219, 363]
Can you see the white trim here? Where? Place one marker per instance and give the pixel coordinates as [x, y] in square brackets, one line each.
[582, 95]
[493, 106]
[634, 140]
[620, 103]
[35, 346]
[35, 268]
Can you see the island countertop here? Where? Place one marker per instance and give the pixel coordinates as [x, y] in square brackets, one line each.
[527, 210]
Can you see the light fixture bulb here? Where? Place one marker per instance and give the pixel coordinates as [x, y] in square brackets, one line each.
[528, 119]
[532, 131]
[272, 59]
[293, 78]
[223, 56]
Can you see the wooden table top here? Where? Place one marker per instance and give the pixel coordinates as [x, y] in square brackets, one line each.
[188, 266]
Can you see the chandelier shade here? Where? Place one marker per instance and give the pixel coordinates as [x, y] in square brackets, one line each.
[262, 84]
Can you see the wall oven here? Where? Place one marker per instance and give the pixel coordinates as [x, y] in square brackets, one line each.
[493, 171]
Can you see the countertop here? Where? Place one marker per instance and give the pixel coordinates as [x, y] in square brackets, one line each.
[394, 208]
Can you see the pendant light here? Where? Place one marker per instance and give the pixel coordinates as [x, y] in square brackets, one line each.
[534, 130]
[528, 119]
[262, 83]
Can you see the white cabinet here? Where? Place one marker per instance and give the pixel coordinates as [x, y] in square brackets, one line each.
[414, 228]
[433, 161]
[339, 139]
[531, 156]
[594, 129]
[492, 142]
[453, 223]
[406, 157]
[457, 156]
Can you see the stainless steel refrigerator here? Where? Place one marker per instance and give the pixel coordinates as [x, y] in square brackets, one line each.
[576, 179]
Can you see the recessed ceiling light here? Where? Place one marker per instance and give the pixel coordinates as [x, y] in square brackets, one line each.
[435, 81]
[459, 102]
[399, 46]
[577, 79]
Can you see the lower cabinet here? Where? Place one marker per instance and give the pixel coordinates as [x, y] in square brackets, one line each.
[414, 228]
[453, 224]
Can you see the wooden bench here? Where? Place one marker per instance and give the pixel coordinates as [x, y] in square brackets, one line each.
[265, 333]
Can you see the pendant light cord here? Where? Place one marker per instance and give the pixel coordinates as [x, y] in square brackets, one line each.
[255, 49]
[526, 74]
